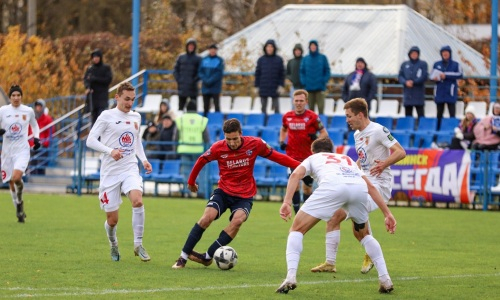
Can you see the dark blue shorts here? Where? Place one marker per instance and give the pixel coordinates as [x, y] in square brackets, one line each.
[308, 180]
[222, 201]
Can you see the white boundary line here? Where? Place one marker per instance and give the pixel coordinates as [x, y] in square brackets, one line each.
[64, 292]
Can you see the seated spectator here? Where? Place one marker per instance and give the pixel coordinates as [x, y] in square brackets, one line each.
[164, 109]
[487, 131]
[168, 134]
[464, 133]
[151, 137]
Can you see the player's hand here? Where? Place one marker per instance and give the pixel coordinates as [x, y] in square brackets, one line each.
[286, 211]
[193, 188]
[36, 144]
[147, 166]
[117, 154]
[378, 168]
[283, 146]
[2, 131]
[390, 224]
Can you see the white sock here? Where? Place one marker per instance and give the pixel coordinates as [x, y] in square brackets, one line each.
[332, 242]
[138, 216]
[373, 249]
[293, 250]
[14, 198]
[111, 232]
[184, 255]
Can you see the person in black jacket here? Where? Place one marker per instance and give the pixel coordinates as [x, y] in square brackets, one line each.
[96, 80]
[412, 75]
[186, 74]
[360, 84]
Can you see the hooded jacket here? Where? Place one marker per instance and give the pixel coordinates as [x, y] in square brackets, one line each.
[269, 73]
[446, 90]
[293, 68]
[98, 77]
[186, 71]
[43, 120]
[211, 72]
[367, 86]
[314, 70]
[415, 70]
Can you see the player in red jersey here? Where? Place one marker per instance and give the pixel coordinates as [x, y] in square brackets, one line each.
[301, 125]
[236, 156]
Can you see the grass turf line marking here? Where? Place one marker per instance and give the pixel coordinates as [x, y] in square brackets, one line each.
[89, 292]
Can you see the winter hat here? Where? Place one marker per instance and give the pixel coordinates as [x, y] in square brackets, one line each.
[96, 52]
[15, 88]
[470, 109]
[360, 59]
[40, 102]
[213, 46]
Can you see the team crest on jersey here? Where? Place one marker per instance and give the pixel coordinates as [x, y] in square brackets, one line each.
[224, 155]
[249, 152]
[288, 119]
[345, 170]
[361, 155]
[126, 139]
[15, 128]
[24, 117]
[306, 119]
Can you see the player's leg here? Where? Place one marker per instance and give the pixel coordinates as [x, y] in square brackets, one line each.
[332, 241]
[307, 187]
[17, 180]
[110, 201]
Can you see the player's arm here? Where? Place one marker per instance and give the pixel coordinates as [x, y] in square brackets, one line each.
[139, 152]
[34, 125]
[283, 159]
[323, 133]
[291, 187]
[390, 221]
[198, 165]
[95, 133]
[397, 154]
[283, 134]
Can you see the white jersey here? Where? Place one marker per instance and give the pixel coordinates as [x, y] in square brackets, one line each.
[118, 130]
[332, 168]
[374, 143]
[15, 121]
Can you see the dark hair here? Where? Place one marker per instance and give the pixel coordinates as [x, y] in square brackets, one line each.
[322, 145]
[126, 86]
[15, 88]
[301, 92]
[357, 105]
[231, 125]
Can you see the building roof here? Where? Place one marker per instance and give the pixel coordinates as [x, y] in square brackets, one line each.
[381, 34]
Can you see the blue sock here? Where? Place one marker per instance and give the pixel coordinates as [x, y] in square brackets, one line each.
[223, 240]
[193, 238]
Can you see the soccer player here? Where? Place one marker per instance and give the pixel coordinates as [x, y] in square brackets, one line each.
[116, 135]
[301, 125]
[14, 121]
[341, 186]
[377, 150]
[236, 156]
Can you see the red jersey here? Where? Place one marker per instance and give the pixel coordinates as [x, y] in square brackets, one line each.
[236, 166]
[299, 127]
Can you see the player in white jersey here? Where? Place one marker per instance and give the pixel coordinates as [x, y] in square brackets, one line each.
[377, 150]
[116, 135]
[341, 185]
[14, 121]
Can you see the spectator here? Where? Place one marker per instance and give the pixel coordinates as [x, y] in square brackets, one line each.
[314, 75]
[269, 76]
[487, 131]
[211, 72]
[96, 80]
[360, 84]
[412, 75]
[464, 133]
[150, 137]
[167, 135]
[293, 69]
[445, 73]
[43, 119]
[186, 74]
[164, 110]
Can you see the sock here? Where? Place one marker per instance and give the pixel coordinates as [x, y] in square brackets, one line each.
[296, 201]
[223, 240]
[138, 216]
[19, 189]
[111, 232]
[14, 198]
[293, 250]
[332, 242]
[306, 197]
[193, 238]
[373, 249]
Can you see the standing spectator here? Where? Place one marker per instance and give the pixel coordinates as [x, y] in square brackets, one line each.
[314, 75]
[412, 75]
[301, 126]
[186, 74]
[293, 69]
[210, 73]
[15, 118]
[445, 73]
[360, 84]
[270, 76]
[164, 109]
[235, 155]
[43, 119]
[97, 79]
[116, 136]
[464, 133]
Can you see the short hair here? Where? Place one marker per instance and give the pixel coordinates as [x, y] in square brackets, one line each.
[322, 145]
[301, 92]
[357, 105]
[126, 86]
[231, 125]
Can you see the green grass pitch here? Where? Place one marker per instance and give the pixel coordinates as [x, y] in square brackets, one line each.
[61, 252]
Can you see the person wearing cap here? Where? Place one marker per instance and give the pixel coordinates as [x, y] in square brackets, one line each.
[15, 118]
[186, 74]
[361, 83]
[96, 80]
[464, 133]
[314, 76]
[211, 72]
[446, 73]
[43, 119]
[293, 69]
[412, 75]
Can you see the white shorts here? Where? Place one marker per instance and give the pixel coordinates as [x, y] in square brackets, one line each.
[112, 186]
[324, 202]
[18, 161]
[385, 189]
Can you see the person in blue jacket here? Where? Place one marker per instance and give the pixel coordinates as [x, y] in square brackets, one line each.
[412, 75]
[314, 75]
[445, 73]
[210, 72]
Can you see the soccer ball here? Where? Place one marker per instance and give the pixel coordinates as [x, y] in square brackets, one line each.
[225, 257]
